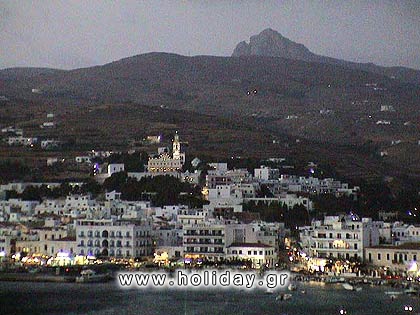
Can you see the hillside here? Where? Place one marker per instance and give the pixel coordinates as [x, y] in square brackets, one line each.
[270, 43]
[327, 106]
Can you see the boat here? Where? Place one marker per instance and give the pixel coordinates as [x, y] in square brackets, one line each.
[411, 291]
[269, 291]
[283, 297]
[89, 275]
[348, 286]
[335, 280]
[393, 293]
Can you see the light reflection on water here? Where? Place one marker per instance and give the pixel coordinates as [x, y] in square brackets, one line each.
[109, 299]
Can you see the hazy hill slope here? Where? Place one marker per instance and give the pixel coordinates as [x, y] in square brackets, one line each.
[317, 101]
[160, 77]
[271, 43]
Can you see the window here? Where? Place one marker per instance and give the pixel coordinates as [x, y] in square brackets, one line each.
[379, 256]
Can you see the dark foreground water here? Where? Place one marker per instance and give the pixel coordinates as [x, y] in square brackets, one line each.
[104, 299]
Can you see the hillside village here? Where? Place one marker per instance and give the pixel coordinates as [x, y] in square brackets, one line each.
[259, 219]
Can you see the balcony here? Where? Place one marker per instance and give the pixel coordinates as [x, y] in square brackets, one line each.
[335, 249]
[204, 244]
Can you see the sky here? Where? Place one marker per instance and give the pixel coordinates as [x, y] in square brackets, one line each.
[72, 34]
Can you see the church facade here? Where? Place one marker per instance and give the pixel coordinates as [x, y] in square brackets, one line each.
[166, 162]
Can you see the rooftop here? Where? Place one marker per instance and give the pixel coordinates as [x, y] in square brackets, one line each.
[250, 245]
[402, 246]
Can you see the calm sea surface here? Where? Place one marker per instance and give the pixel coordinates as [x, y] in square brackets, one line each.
[108, 298]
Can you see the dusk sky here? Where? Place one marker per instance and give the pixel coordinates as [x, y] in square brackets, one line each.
[71, 34]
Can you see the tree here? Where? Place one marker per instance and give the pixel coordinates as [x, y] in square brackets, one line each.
[91, 186]
[116, 181]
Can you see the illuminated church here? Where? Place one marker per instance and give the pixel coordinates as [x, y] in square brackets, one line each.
[167, 163]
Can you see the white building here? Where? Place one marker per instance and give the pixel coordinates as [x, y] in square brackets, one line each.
[7, 245]
[115, 168]
[23, 141]
[168, 237]
[153, 139]
[339, 237]
[114, 238]
[195, 162]
[113, 195]
[405, 233]
[48, 124]
[219, 176]
[13, 130]
[211, 238]
[258, 254]
[79, 202]
[292, 200]
[400, 257]
[223, 196]
[191, 216]
[265, 173]
[313, 185]
[83, 159]
[50, 143]
[204, 240]
[387, 108]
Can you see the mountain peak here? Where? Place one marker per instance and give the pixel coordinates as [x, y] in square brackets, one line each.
[270, 32]
[271, 43]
